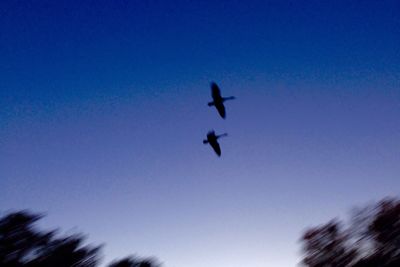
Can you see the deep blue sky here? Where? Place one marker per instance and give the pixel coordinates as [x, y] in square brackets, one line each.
[103, 111]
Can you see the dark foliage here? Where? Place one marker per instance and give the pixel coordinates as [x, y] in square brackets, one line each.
[373, 243]
[22, 245]
[132, 262]
[326, 246]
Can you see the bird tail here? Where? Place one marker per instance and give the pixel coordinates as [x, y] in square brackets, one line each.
[205, 142]
[211, 104]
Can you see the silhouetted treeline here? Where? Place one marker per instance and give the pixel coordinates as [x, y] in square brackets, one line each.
[371, 240]
[23, 245]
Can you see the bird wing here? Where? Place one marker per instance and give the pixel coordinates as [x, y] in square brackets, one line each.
[216, 147]
[215, 92]
[221, 110]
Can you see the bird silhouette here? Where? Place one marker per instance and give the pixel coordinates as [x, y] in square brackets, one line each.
[212, 140]
[218, 100]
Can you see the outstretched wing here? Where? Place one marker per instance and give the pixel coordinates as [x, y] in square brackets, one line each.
[221, 110]
[216, 148]
[215, 92]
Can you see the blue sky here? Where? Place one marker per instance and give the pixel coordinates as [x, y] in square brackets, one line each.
[104, 108]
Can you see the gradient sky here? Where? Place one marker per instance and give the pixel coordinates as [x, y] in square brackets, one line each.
[103, 108]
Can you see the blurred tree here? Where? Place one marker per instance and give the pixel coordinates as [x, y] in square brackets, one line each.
[22, 245]
[65, 252]
[132, 262]
[19, 241]
[326, 246]
[374, 241]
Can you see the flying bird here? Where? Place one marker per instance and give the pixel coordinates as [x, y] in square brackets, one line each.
[212, 140]
[218, 100]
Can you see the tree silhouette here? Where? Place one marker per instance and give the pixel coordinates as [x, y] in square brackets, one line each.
[65, 252]
[326, 246]
[132, 262]
[23, 245]
[373, 242]
[19, 241]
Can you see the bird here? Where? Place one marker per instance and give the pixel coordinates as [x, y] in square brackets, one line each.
[218, 100]
[212, 140]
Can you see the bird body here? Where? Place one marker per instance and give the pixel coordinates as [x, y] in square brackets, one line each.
[218, 100]
[212, 140]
